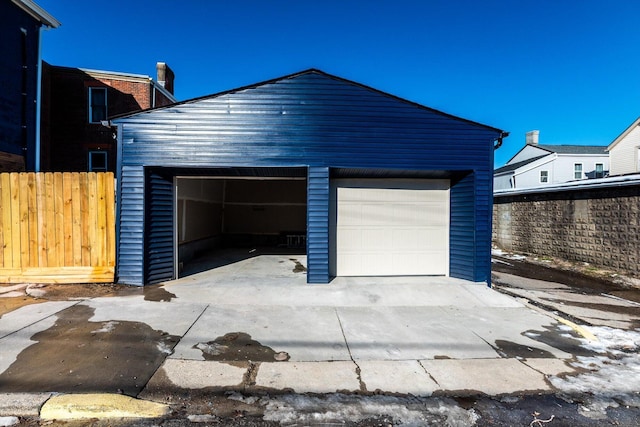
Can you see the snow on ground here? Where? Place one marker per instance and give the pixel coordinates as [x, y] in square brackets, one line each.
[500, 252]
[609, 378]
[304, 410]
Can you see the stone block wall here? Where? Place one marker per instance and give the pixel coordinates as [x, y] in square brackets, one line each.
[599, 226]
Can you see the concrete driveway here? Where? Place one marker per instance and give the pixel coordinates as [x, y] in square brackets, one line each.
[257, 324]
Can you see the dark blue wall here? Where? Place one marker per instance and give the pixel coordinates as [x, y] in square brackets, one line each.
[12, 103]
[319, 121]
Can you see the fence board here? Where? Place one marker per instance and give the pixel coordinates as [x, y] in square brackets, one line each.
[76, 235]
[67, 215]
[41, 223]
[57, 227]
[58, 208]
[2, 226]
[84, 220]
[23, 206]
[50, 219]
[110, 219]
[92, 213]
[14, 229]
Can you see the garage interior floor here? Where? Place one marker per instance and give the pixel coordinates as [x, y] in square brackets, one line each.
[239, 258]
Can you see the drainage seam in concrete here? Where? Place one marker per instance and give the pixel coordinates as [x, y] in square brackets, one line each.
[40, 320]
[428, 373]
[249, 377]
[363, 386]
[172, 350]
[496, 349]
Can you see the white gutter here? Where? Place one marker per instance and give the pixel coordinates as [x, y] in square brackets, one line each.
[38, 102]
[37, 12]
[613, 181]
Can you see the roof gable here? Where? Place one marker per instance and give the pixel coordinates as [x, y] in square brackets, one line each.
[514, 166]
[624, 134]
[324, 88]
[527, 152]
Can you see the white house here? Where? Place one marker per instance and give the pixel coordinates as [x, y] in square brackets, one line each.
[625, 151]
[538, 165]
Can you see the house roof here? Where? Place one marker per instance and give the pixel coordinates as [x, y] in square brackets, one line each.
[575, 149]
[512, 167]
[115, 75]
[330, 76]
[37, 12]
[624, 134]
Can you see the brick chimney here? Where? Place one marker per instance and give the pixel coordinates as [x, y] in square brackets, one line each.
[165, 76]
[532, 137]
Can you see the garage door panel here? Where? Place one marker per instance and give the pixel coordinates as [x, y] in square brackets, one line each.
[375, 239]
[350, 214]
[411, 239]
[351, 240]
[373, 263]
[412, 264]
[391, 227]
[376, 214]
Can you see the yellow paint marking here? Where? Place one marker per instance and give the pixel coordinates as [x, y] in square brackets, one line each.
[100, 405]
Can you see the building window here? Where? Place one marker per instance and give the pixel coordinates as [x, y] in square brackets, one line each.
[599, 170]
[577, 171]
[97, 161]
[544, 176]
[97, 104]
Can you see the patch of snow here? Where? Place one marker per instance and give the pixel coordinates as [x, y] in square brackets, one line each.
[610, 376]
[302, 410]
[213, 349]
[499, 261]
[106, 327]
[240, 398]
[9, 421]
[206, 418]
[508, 255]
[164, 348]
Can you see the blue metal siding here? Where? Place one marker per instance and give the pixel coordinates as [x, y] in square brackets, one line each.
[159, 233]
[308, 120]
[318, 225]
[484, 217]
[131, 226]
[462, 236]
[18, 109]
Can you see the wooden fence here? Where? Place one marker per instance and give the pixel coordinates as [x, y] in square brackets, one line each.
[57, 227]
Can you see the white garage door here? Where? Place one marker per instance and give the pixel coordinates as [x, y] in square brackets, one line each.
[390, 227]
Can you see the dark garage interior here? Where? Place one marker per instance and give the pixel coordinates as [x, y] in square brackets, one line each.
[225, 219]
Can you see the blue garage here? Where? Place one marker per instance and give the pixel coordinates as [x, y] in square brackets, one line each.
[364, 182]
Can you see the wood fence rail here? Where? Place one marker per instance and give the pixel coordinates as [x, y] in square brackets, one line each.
[57, 227]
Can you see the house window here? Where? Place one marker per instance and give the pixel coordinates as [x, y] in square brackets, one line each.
[97, 104]
[97, 161]
[544, 176]
[577, 171]
[599, 170]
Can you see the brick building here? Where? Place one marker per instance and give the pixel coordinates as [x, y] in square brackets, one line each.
[76, 106]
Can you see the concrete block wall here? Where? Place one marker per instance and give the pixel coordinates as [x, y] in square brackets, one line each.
[599, 226]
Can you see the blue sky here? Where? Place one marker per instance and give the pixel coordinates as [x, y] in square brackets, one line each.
[568, 68]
